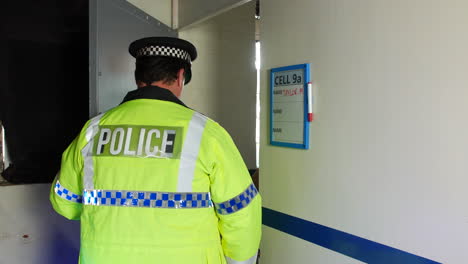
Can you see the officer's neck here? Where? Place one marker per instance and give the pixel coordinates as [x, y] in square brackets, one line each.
[173, 87]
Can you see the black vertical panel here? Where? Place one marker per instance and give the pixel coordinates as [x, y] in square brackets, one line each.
[44, 72]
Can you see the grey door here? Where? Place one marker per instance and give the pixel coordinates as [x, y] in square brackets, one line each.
[114, 24]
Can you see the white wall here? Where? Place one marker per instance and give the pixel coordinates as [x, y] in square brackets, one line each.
[224, 78]
[203, 90]
[389, 145]
[31, 232]
[159, 9]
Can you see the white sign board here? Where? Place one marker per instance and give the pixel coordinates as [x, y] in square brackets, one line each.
[289, 106]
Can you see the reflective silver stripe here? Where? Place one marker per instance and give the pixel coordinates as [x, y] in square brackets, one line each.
[189, 155]
[67, 194]
[251, 260]
[88, 169]
[237, 203]
[147, 199]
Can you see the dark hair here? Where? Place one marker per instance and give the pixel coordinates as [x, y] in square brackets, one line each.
[151, 69]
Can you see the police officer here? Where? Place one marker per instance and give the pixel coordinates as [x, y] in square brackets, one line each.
[153, 181]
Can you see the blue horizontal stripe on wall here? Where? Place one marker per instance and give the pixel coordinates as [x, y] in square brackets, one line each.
[352, 246]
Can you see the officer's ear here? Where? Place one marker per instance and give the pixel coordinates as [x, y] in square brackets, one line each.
[181, 77]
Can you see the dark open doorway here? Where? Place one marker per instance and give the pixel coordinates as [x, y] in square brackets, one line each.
[44, 74]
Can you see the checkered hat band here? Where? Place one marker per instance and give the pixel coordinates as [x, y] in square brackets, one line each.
[67, 194]
[147, 199]
[237, 203]
[164, 51]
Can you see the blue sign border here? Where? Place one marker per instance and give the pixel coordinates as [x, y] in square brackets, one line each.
[306, 68]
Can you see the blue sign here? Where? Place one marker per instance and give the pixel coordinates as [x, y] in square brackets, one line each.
[289, 125]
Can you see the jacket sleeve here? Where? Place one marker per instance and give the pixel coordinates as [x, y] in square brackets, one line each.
[237, 201]
[67, 188]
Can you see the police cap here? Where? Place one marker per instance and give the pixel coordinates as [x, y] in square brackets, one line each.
[165, 46]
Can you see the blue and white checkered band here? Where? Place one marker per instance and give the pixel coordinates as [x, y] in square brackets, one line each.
[237, 203]
[66, 194]
[147, 199]
[164, 51]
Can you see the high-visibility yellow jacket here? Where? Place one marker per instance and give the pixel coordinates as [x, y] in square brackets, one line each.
[153, 181]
